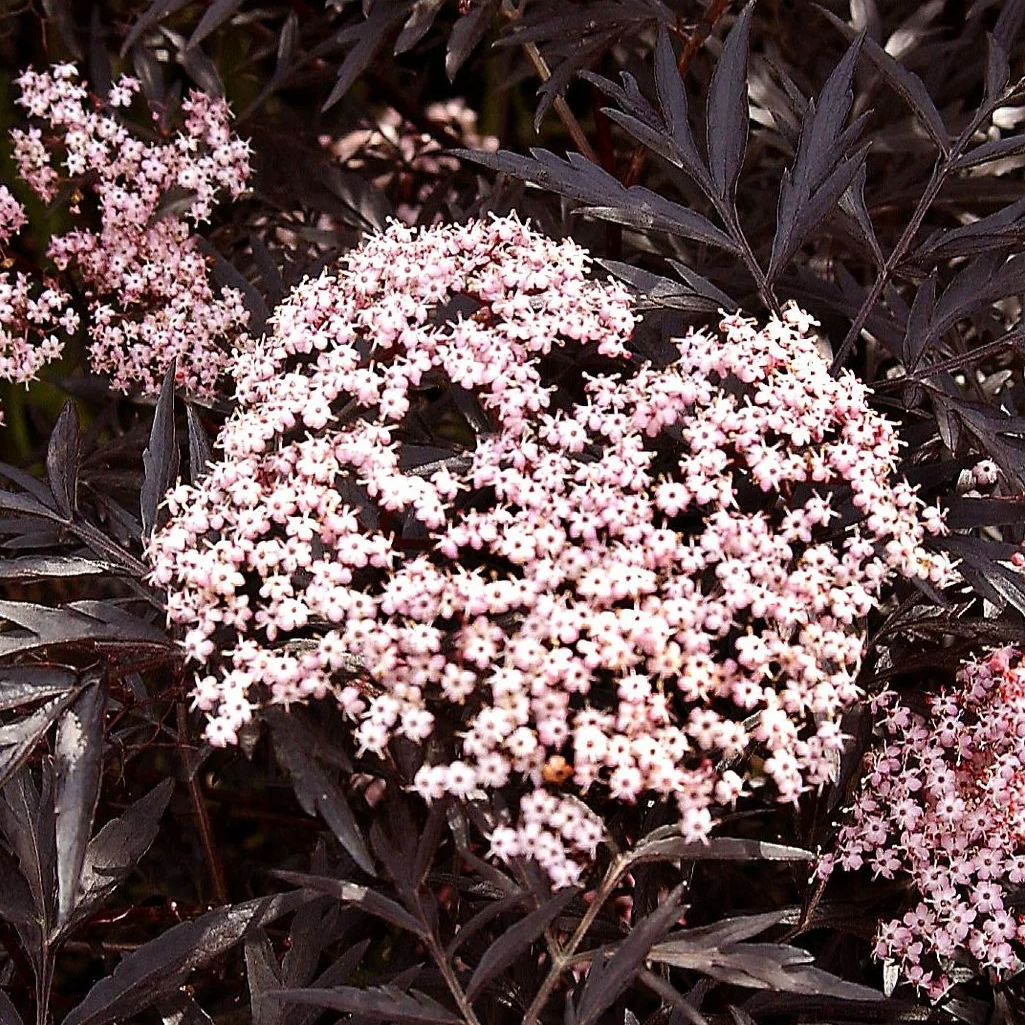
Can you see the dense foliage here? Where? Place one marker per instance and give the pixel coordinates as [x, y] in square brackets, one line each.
[516, 512]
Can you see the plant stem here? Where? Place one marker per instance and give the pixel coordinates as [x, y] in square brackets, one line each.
[512, 13]
[206, 833]
[566, 958]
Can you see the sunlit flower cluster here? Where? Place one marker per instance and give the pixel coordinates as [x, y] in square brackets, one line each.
[33, 315]
[629, 580]
[942, 802]
[147, 285]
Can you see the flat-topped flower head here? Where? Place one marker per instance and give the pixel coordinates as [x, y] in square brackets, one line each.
[633, 574]
[943, 803]
[146, 282]
[35, 316]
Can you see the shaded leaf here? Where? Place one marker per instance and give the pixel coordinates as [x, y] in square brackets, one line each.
[200, 449]
[162, 965]
[1005, 228]
[903, 81]
[181, 1009]
[516, 940]
[716, 951]
[157, 11]
[608, 978]
[367, 38]
[695, 293]
[117, 848]
[49, 567]
[604, 196]
[213, 17]
[315, 790]
[160, 458]
[726, 116]
[420, 19]
[672, 97]
[387, 1003]
[8, 1012]
[998, 72]
[78, 762]
[917, 335]
[62, 456]
[262, 977]
[817, 161]
[466, 33]
[362, 897]
[18, 739]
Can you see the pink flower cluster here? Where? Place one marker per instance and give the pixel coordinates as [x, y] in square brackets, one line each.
[32, 317]
[623, 589]
[147, 284]
[943, 802]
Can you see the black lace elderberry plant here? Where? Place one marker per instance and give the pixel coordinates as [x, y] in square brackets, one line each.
[861, 160]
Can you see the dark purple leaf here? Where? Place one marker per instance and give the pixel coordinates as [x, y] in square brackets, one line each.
[516, 940]
[162, 965]
[1009, 23]
[715, 951]
[420, 19]
[362, 897]
[213, 18]
[903, 81]
[997, 583]
[160, 459]
[662, 292]
[202, 70]
[99, 56]
[200, 450]
[726, 114]
[26, 821]
[263, 978]
[369, 38]
[972, 513]
[852, 202]
[78, 763]
[227, 276]
[19, 738]
[48, 567]
[8, 1012]
[157, 11]
[316, 791]
[994, 149]
[672, 97]
[59, 13]
[384, 1003]
[822, 146]
[466, 33]
[62, 456]
[23, 685]
[181, 1009]
[117, 848]
[998, 71]
[1004, 229]
[608, 978]
[815, 207]
[917, 335]
[666, 843]
[604, 196]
